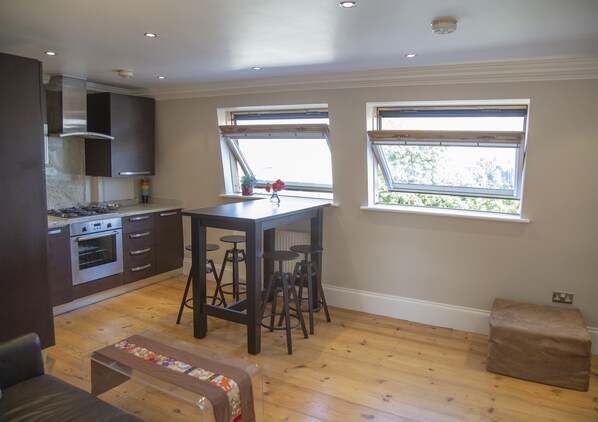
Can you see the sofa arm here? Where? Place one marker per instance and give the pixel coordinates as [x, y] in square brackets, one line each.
[20, 359]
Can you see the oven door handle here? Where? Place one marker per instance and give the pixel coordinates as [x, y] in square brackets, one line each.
[95, 236]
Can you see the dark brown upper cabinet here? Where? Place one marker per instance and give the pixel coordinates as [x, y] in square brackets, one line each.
[131, 120]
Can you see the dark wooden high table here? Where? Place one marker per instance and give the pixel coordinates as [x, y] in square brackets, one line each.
[258, 219]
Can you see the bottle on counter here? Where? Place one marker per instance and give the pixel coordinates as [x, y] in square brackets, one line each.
[145, 188]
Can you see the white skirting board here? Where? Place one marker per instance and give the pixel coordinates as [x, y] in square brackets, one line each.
[415, 310]
[422, 311]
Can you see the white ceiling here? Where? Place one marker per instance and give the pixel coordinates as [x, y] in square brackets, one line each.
[207, 41]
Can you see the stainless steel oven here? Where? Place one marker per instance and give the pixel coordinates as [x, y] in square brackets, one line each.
[96, 249]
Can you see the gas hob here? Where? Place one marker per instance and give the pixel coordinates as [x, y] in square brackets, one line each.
[82, 212]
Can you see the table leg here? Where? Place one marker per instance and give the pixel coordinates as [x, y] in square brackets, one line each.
[269, 245]
[317, 232]
[253, 238]
[198, 255]
[103, 378]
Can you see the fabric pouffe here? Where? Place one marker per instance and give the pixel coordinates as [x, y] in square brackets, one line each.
[544, 344]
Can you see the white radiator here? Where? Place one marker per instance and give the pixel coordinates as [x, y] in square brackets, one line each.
[285, 239]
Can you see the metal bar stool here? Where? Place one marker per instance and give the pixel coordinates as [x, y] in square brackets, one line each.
[234, 256]
[306, 275]
[282, 281]
[210, 268]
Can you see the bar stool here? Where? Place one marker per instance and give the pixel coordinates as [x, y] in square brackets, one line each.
[281, 281]
[210, 268]
[234, 256]
[306, 275]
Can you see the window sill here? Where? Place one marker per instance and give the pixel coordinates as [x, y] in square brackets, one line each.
[257, 196]
[476, 215]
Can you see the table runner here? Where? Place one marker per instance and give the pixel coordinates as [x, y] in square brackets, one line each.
[227, 388]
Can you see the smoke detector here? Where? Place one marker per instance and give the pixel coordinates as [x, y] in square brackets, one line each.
[124, 73]
[444, 25]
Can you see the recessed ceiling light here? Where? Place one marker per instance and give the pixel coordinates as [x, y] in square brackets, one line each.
[410, 55]
[256, 68]
[150, 34]
[347, 4]
[50, 53]
[161, 77]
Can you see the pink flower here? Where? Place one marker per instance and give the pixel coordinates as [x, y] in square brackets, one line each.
[275, 186]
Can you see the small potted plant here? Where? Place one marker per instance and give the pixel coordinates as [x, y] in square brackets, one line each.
[248, 181]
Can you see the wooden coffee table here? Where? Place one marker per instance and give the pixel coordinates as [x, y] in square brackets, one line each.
[220, 387]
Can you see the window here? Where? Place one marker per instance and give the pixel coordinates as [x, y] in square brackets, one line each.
[466, 157]
[289, 145]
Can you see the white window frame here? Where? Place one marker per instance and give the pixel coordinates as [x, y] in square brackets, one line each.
[378, 138]
[229, 133]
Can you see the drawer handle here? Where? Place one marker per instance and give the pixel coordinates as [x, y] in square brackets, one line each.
[143, 267]
[140, 251]
[57, 231]
[168, 214]
[133, 173]
[138, 235]
[143, 217]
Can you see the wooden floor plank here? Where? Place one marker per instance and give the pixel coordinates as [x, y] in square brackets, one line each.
[359, 367]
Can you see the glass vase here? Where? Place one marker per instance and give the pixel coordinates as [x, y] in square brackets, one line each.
[274, 199]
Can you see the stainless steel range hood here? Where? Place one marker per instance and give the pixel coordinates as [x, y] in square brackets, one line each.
[66, 101]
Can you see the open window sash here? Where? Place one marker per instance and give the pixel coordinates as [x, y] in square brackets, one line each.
[381, 139]
[232, 133]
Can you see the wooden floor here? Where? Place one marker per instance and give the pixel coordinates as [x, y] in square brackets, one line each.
[359, 367]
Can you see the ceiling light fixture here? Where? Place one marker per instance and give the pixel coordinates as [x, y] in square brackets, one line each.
[124, 73]
[161, 77]
[50, 53]
[410, 55]
[444, 25]
[151, 35]
[256, 68]
[347, 4]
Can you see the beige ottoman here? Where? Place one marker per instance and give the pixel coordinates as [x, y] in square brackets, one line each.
[539, 343]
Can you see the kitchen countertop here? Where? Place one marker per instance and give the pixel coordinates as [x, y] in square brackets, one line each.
[121, 212]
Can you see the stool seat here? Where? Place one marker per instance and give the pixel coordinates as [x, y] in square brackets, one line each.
[280, 255]
[309, 249]
[233, 238]
[209, 247]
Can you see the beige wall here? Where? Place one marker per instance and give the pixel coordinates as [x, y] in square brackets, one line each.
[453, 261]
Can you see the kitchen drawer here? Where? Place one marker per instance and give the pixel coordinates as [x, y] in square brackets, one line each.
[138, 240]
[140, 222]
[139, 257]
[140, 272]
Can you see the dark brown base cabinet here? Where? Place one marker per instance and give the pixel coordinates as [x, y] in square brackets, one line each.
[169, 241]
[24, 290]
[59, 266]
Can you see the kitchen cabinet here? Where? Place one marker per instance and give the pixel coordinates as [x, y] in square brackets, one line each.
[169, 240]
[131, 120]
[24, 290]
[59, 266]
[139, 247]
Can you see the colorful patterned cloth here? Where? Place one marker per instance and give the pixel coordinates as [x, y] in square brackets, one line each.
[228, 385]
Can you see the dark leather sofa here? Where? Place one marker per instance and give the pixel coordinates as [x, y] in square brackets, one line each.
[28, 394]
